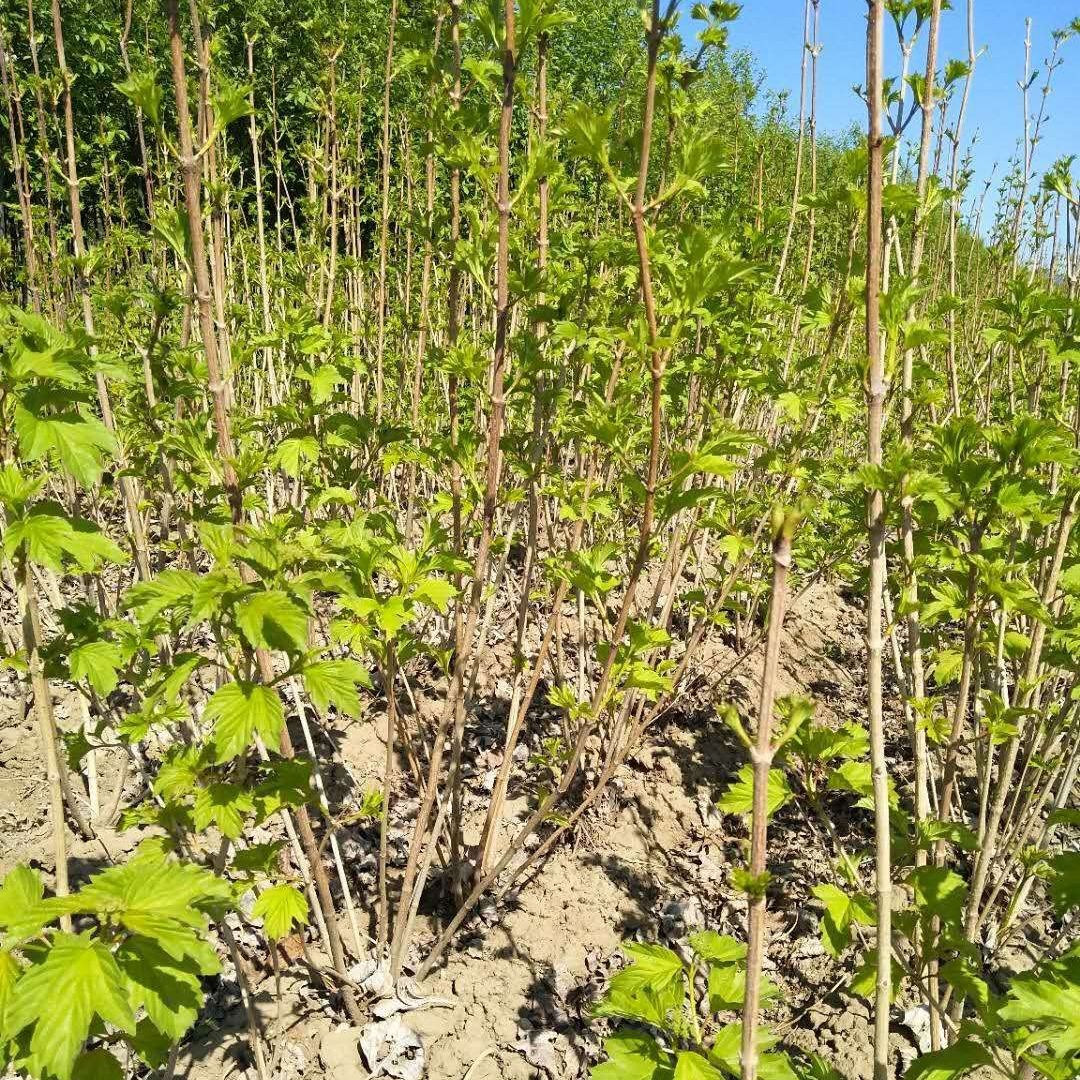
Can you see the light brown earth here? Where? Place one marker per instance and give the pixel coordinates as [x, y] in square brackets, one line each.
[650, 862]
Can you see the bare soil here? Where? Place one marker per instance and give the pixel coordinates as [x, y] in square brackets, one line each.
[651, 861]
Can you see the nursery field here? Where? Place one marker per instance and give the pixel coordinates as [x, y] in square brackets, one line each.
[523, 556]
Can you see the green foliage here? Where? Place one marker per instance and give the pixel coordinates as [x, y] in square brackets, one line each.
[45, 535]
[145, 949]
[280, 907]
[739, 797]
[335, 682]
[82, 973]
[240, 710]
[842, 910]
[657, 989]
[1043, 1005]
[952, 1062]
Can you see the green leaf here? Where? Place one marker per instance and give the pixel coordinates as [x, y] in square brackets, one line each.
[76, 746]
[259, 858]
[633, 1055]
[717, 948]
[170, 589]
[151, 1046]
[588, 131]
[173, 227]
[142, 90]
[726, 1050]
[334, 682]
[856, 776]
[20, 892]
[24, 910]
[727, 987]
[932, 830]
[391, 615]
[1050, 1010]
[841, 910]
[80, 442]
[279, 907]
[9, 974]
[435, 592]
[97, 662]
[962, 975]
[240, 709]
[168, 988]
[651, 988]
[97, 1065]
[81, 973]
[939, 891]
[151, 890]
[947, 666]
[323, 381]
[819, 743]
[292, 452]
[273, 620]
[948, 1064]
[691, 1066]
[179, 773]
[171, 680]
[817, 1068]
[223, 805]
[776, 1067]
[229, 103]
[16, 490]
[51, 538]
[640, 676]
[1064, 886]
[864, 981]
[287, 783]
[739, 797]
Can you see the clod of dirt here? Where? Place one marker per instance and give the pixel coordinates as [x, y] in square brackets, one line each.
[680, 917]
[339, 1053]
[540, 1048]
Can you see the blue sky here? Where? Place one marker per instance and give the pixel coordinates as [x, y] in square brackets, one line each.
[772, 31]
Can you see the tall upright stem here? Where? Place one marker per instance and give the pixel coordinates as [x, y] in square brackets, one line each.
[189, 168]
[496, 377]
[189, 172]
[384, 216]
[127, 485]
[875, 401]
[140, 128]
[260, 222]
[916, 677]
[797, 182]
[453, 301]
[954, 206]
[916, 674]
[332, 159]
[657, 27]
[43, 711]
[43, 147]
[761, 755]
[498, 794]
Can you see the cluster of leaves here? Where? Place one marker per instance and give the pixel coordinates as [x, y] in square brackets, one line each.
[127, 971]
[657, 992]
